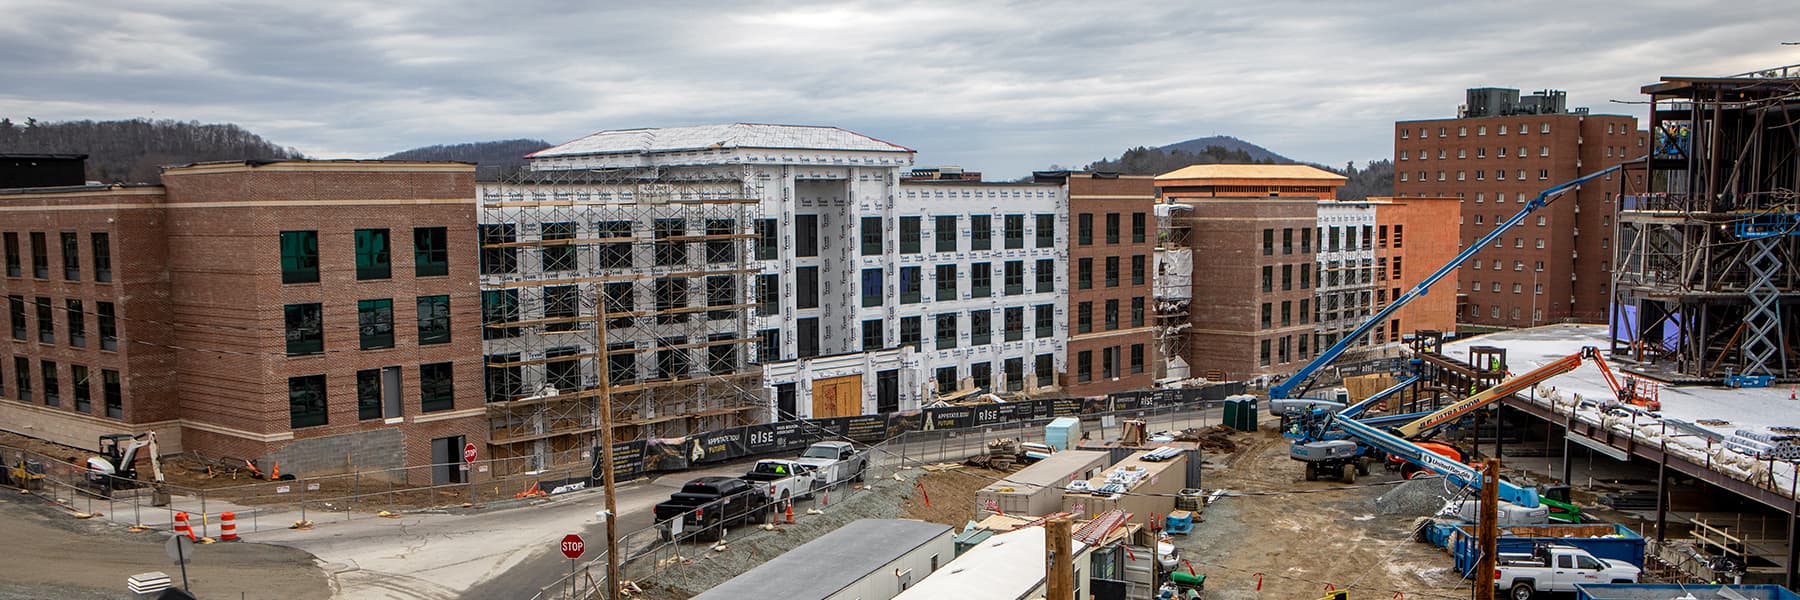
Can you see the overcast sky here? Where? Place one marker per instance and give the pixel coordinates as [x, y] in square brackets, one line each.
[999, 87]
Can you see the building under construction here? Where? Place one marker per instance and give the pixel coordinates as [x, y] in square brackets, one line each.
[1707, 255]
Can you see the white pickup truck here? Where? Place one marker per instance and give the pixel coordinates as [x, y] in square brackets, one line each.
[784, 480]
[1554, 568]
[836, 462]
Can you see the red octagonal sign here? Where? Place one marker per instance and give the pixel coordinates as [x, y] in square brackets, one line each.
[572, 546]
[469, 453]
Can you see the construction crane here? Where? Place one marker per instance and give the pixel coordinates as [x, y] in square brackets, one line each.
[1287, 388]
[118, 460]
[1432, 423]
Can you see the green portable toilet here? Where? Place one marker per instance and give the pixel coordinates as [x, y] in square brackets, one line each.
[1247, 413]
[1231, 412]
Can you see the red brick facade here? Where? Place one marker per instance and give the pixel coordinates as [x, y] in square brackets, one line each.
[1099, 201]
[203, 334]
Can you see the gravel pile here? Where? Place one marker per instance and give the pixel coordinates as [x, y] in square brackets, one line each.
[1421, 496]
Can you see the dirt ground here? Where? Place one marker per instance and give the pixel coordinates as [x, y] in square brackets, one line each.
[952, 495]
[1303, 535]
[53, 555]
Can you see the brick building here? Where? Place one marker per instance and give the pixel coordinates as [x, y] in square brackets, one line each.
[252, 311]
[1500, 153]
[1252, 230]
[1111, 250]
[1372, 251]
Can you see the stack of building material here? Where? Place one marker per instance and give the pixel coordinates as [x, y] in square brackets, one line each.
[1764, 445]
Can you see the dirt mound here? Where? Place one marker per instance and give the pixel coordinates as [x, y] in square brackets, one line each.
[952, 495]
[1216, 438]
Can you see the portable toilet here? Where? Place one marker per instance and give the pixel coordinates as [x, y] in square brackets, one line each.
[1231, 411]
[1063, 433]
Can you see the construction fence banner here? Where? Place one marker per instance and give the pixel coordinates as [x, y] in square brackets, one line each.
[638, 458]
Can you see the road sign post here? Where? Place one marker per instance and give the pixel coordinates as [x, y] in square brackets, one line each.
[469, 469]
[573, 547]
[179, 548]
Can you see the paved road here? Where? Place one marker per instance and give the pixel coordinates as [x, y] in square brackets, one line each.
[511, 553]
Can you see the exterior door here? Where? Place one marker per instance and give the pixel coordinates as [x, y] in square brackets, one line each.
[837, 397]
[446, 460]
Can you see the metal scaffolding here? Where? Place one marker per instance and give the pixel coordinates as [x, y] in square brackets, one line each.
[661, 258]
[1709, 240]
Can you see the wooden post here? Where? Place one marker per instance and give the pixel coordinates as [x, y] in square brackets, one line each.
[1059, 542]
[606, 452]
[1489, 529]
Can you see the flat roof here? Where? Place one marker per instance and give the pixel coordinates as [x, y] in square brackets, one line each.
[720, 136]
[1756, 409]
[1007, 566]
[822, 567]
[1050, 472]
[1299, 172]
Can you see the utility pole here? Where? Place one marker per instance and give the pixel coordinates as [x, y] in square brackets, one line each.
[606, 452]
[1489, 529]
[1061, 578]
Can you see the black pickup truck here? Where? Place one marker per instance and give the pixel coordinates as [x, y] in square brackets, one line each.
[708, 505]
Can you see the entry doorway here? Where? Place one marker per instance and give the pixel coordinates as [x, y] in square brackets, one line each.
[446, 460]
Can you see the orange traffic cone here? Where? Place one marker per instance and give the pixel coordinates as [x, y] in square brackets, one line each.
[181, 526]
[275, 473]
[790, 513]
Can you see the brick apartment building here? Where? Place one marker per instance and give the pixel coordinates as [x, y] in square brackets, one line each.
[1499, 153]
[1372, 251]
[1252, 230]
[1111, 252]
[294, 311]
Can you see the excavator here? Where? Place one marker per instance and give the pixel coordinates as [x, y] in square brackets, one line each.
[116, 467]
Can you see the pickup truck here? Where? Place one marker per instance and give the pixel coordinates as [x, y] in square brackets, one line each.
[782, 480]
[1557, 568]
[836, 462]
[711, 504]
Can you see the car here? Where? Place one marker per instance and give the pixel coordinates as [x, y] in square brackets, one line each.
[710, 505]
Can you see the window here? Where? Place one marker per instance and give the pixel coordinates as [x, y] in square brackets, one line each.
[944, 232]
[1084, 317]
[721, 358]
[669, 249]
[499, 307]
[369, 393]
[1043, 320]
[375, 323]
[1268, 245]
[672, 360]
[1084, 366]
[1046, 230]
[909, 235]
[1287, 312]
[1137, 311]
[437, 387]
[1084, 229]
[1015, 277]
[767, 239]
[77, 323]
[561, 308]
[946, 282]
[805, 341]
[14, 267]
[431, 251]
[434, 317]
[21, 379]
[1306, 271]
[102, 243]
[981, 327]
[503, 380]
[1112, 228]
[768, 347]
[671, 299]
[873, 336]
[1398, 235]
[1112, 271]
[78, 381]
[1045, 366]
[1287, 277]
[71, 256]
[981, 232]
[109, 328]
[981, 280]
[1306, 313]
[46, 321]
[305, 329]
[721, 290]
[1015, 231]
[1139, 269]
[1263, 356]
[720, 247]
[115, 401]
[806, 280]
[945, 330]
[910, 285]
[52, 386]
[1268, 278]
[912, 332]
[40, 255]
[806, 236]
[1268, 315]
[981, 375]
[497, 255]
[1139, 227]
[871, 287]
[1137, 358]
[946, 379]
[768, 295]
[1084, 273]
[373, 260]
[871, 236]
[306, 401]
[1014, 323]
[1046, 275]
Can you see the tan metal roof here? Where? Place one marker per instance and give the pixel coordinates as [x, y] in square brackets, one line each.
[1252, 172]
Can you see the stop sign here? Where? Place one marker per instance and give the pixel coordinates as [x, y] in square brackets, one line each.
[469, 452]
[572, 546]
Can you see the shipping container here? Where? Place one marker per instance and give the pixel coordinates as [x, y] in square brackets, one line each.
[1037, 490]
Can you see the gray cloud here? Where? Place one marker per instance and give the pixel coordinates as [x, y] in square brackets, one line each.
[1003, 87]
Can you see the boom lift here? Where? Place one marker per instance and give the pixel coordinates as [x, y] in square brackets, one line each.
[1432, 423]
